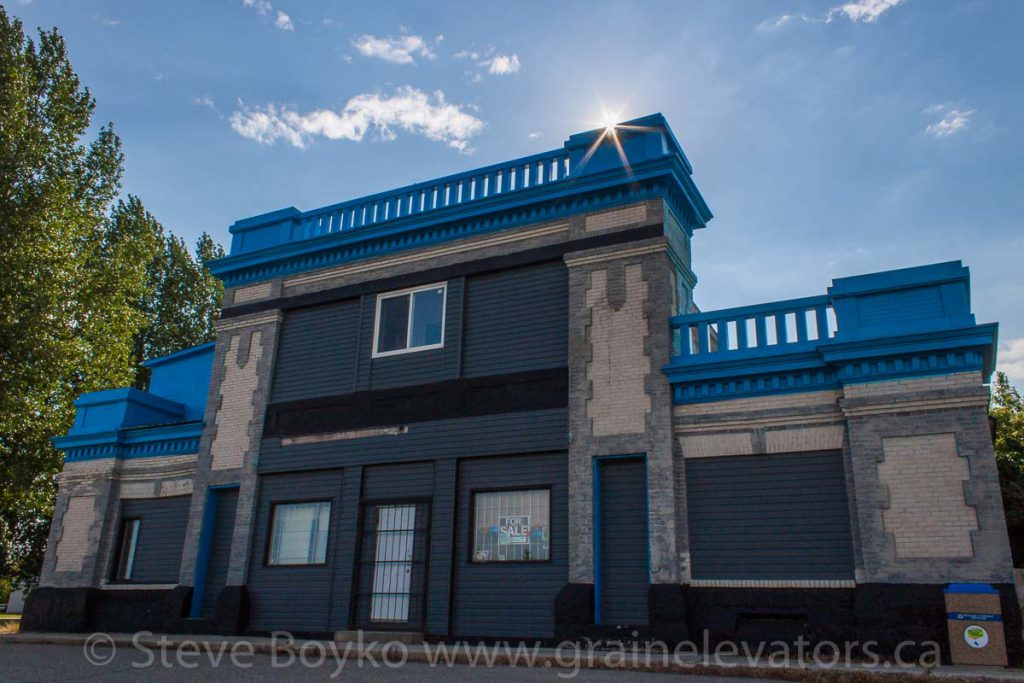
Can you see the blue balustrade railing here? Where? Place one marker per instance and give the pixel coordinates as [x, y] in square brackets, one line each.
[455, 190]
[752, 331]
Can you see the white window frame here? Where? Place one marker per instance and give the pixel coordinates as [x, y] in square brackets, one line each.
[410, 291]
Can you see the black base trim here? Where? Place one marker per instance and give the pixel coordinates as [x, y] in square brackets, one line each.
[536, 390]
[574, 611]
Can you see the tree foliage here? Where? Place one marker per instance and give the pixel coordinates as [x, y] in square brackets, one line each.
[1007, 412]
[86, 290]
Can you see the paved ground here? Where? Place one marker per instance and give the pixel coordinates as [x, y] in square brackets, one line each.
[68, 664]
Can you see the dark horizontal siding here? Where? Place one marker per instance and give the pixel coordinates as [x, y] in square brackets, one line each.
[625, 576]
[769, 517]
[417, 367]
[317, 353]
[161, 537]
[521, 432]
[510, 600]
[404, 481]
[517, 320]
[295, 599]
[220, 547]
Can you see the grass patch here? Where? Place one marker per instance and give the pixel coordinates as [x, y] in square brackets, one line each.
[8, 626]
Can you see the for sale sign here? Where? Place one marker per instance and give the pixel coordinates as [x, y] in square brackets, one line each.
[514, 529]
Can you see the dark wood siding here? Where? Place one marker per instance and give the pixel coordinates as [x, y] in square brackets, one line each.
[780, 516]
[517, 320]
[317, 354]
[407, 481]
[522, 432]
[161, 537]
[415, 367]
[510, 599]
[220, 548]
[624, 555]
[295, 599]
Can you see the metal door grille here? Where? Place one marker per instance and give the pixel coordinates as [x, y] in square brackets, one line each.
[392, 565]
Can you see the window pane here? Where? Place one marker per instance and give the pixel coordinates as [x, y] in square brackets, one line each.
[299, 534]
[427, 316]
[512, 526]
[393, 324]
[129, 544]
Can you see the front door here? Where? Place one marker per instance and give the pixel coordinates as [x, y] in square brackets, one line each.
[622, 553]
[392, 569]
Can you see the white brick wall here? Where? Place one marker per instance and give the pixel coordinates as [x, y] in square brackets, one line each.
[76, 524]
[618, 367]
[814, 398]
[236, 406]
[606, 220]
[927, 514]
[713, 445]
[255, 292]
[825, 438]
[957, 380]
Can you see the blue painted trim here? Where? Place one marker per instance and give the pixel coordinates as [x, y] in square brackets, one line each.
[127, 444]
[971, 588]
[596, 513]
[657, 179]
[178, 355]
[205, 548]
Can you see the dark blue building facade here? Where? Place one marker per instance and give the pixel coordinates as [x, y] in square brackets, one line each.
[486, 406]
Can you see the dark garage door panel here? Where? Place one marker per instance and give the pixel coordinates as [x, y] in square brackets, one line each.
[625, 574]
[783, 516]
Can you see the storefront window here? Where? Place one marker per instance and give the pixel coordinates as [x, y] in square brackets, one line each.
[298, 533]
[512, 526]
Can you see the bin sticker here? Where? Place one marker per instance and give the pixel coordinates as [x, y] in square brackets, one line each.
[976, 636]
[973, 616]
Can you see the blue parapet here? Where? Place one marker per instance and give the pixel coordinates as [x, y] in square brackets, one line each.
[183, 377]
[881, 326]
[129, 423]
[590, 171]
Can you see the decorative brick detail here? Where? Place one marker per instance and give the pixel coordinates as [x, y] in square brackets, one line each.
[956, 380]
[243, 295]
[237, 407]
[928, 515]
[826, 438]
[618, 367]
[76, 524]
[617, 218]
[713, 445]
[759, 403]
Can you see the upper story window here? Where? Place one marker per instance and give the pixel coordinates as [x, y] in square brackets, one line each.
[410, 320]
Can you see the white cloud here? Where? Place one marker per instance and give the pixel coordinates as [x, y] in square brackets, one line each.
[398, 50]
[490, 63]
[284, 22]
[501, 65]
[407, 109]
[867, 11]
[1011, 360]
[953, 120]
[533, 136]
[262, 7]
[265, 8]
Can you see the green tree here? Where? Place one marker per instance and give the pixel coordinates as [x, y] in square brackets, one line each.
[60, 267]
[1007, 412]
[181, 300]
[87, 288]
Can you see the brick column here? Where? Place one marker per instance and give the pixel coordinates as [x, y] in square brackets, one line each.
[620, 300]
[229, 448]
[926, 489]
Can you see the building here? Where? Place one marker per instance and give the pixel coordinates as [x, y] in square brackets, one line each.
[486, 406]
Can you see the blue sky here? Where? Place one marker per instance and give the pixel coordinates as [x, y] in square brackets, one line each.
[830, 138]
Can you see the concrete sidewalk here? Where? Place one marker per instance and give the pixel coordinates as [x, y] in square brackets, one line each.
[491, 656]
